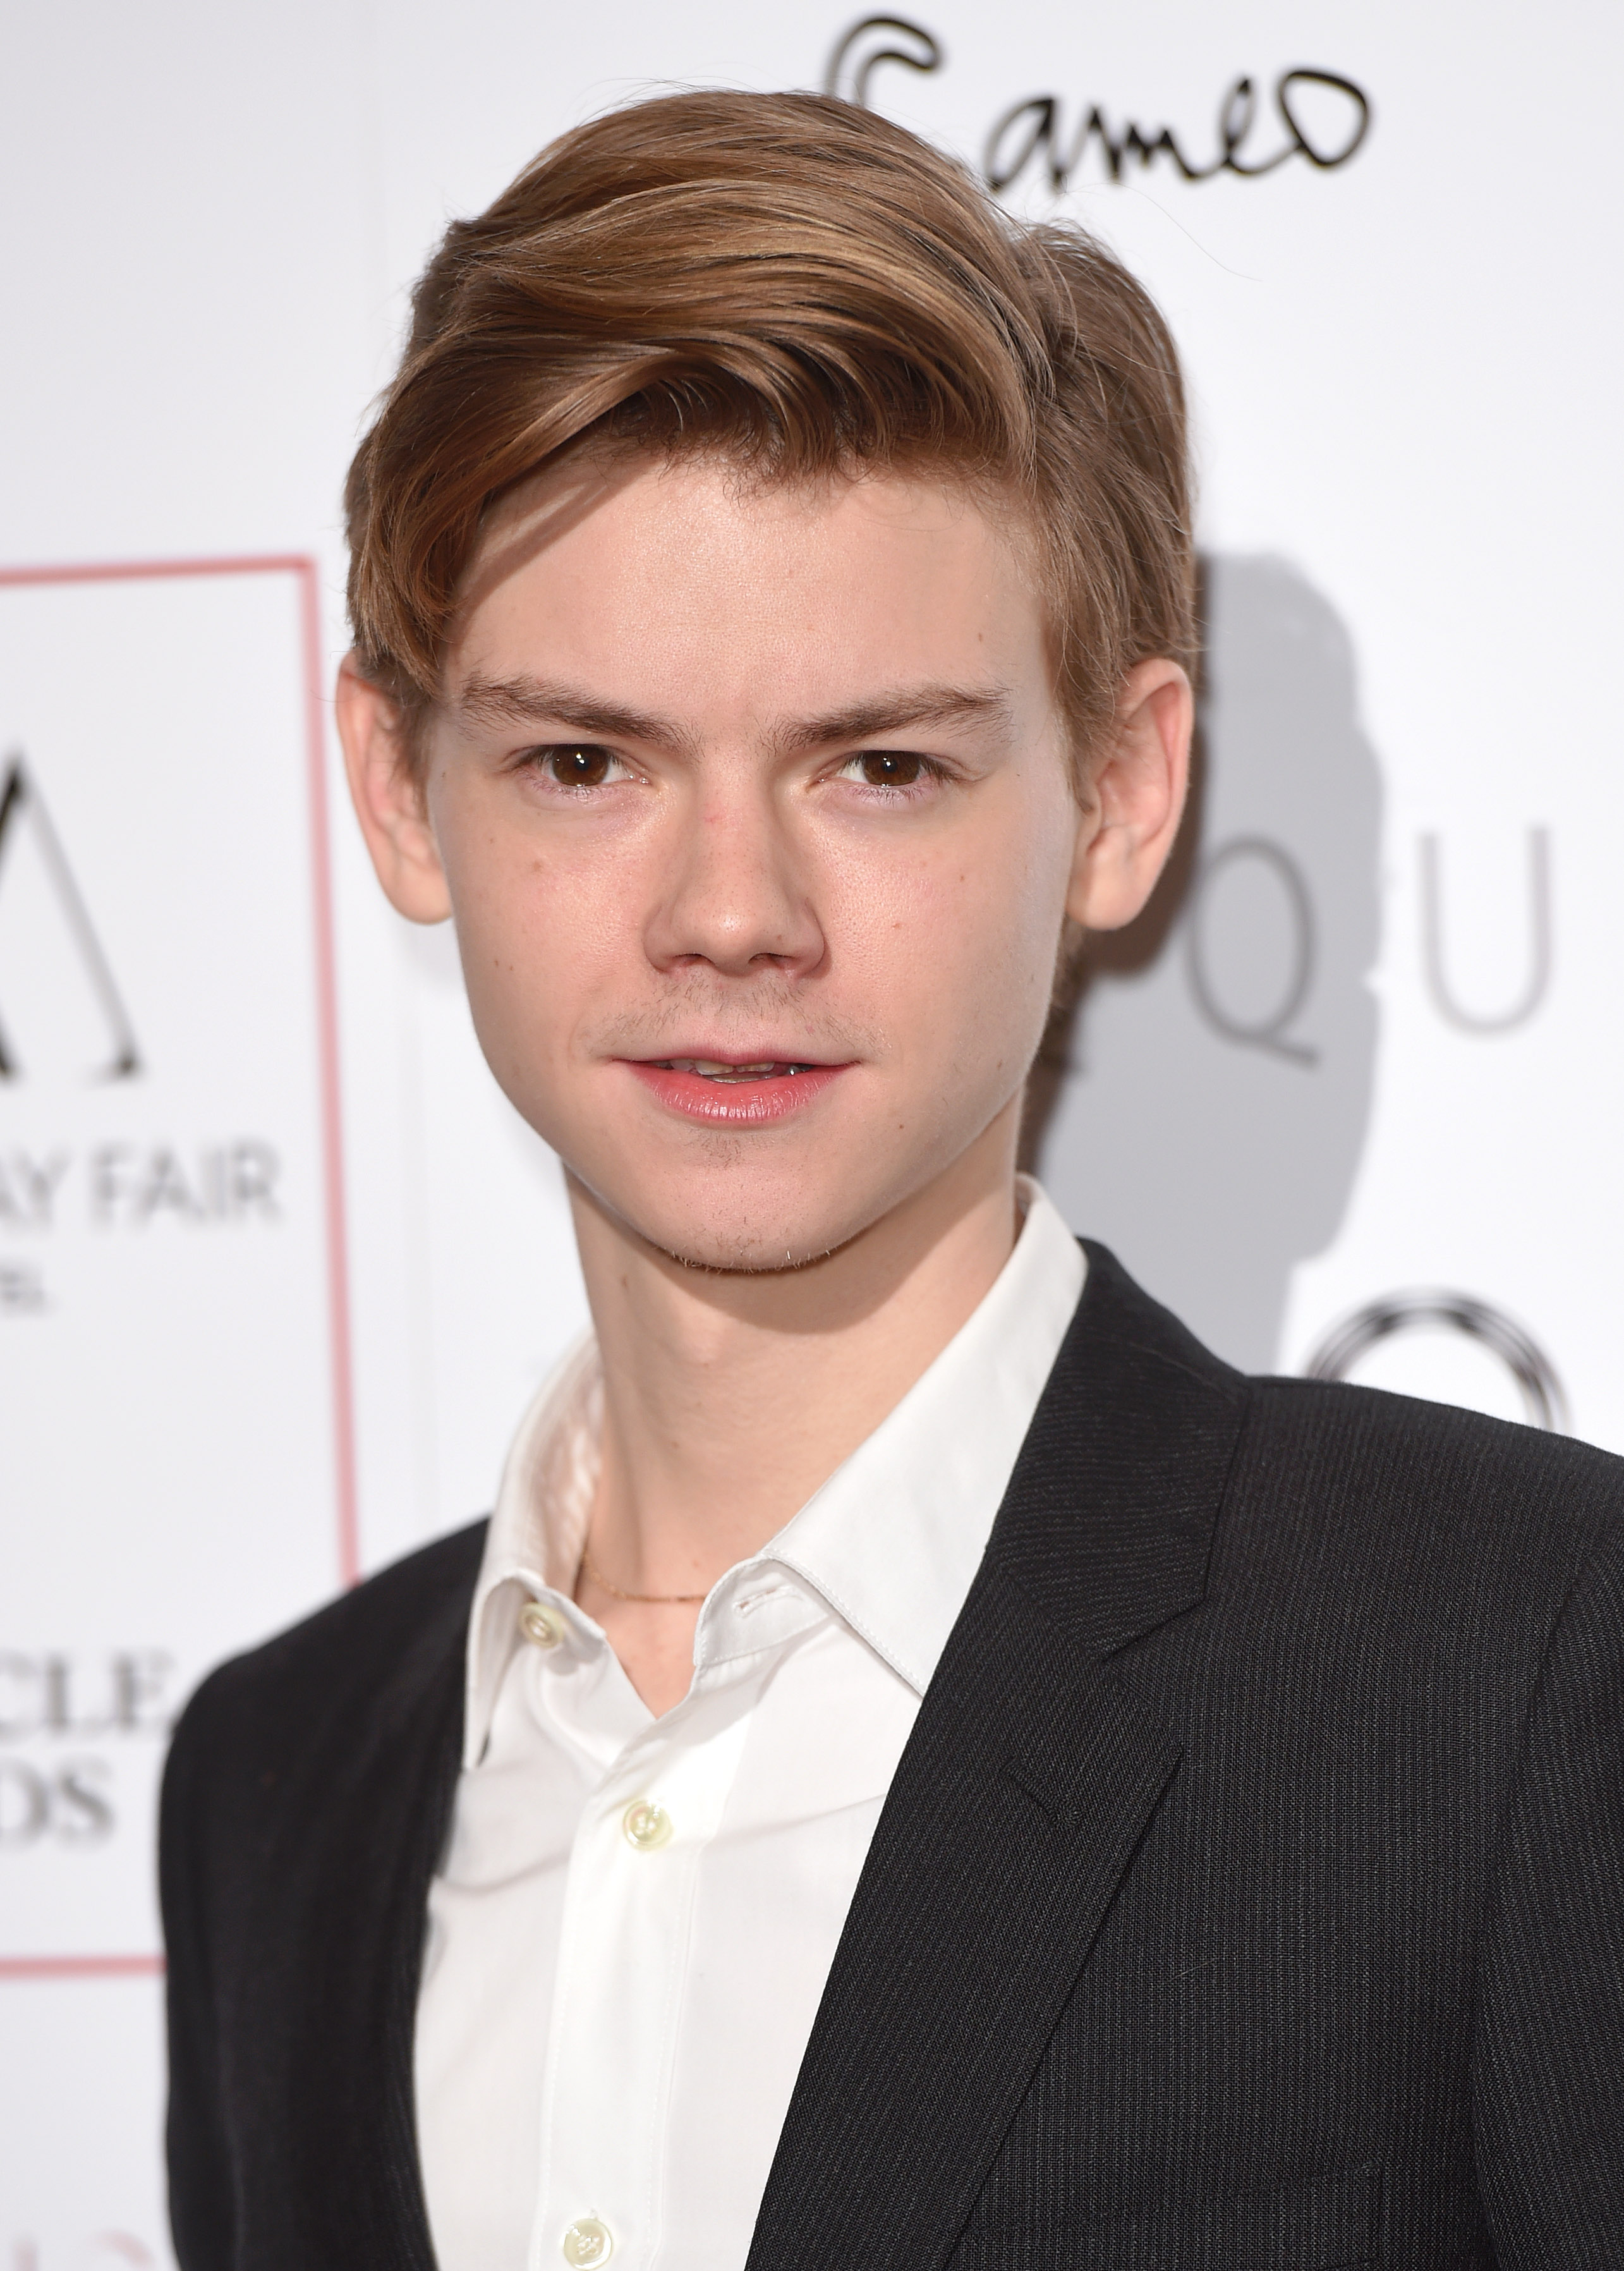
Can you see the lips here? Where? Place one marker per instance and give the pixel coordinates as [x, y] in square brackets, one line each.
[734, 1092]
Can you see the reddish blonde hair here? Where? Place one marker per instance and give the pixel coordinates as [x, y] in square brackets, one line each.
[811, 291]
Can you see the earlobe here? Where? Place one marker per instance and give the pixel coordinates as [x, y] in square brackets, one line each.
[1139, 794]
[388, 798]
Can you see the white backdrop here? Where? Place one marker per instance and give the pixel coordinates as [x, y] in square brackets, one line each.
[278, 1264]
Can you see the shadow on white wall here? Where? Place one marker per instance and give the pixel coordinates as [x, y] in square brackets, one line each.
[1202, 1107]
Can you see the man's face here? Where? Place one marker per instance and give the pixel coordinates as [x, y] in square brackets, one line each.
[755, 811]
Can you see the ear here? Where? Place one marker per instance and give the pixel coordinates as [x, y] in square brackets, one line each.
[387, 797]
[1136, 798]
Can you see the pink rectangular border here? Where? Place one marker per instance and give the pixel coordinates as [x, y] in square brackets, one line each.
[303, 568]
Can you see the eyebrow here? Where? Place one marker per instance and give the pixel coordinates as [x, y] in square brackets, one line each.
[894, 713]
[539, 702]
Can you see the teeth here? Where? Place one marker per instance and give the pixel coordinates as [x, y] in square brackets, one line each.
[713, 1068]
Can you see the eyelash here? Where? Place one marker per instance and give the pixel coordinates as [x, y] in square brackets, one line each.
[540, 761]
[930, 770]
[927, 771]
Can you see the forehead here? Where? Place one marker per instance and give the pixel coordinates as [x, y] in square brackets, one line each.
[695, 580]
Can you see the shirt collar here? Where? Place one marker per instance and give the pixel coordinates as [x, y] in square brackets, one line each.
[891, 1541]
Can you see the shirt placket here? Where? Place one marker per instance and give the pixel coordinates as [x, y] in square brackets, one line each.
[623, 1947]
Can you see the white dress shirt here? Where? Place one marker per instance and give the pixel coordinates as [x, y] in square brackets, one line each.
[635, 1918]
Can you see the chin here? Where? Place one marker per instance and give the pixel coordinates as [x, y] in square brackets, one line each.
[742, 1232]
[747, 1248]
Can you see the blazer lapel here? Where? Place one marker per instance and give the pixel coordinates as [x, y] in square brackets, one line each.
[1026, 1785]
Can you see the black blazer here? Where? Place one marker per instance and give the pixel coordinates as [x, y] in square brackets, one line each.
[1250, 1892]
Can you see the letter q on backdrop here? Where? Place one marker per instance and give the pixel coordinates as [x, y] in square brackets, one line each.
[277, 1263]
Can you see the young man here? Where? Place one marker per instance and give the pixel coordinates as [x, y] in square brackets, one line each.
[925, 1765]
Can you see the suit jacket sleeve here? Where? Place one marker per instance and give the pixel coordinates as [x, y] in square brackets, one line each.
[1548, 2059]
[200, 2189]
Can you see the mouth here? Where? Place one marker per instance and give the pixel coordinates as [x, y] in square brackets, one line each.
[734, 1075]
[734, 1092]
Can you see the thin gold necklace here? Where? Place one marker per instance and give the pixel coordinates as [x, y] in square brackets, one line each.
[652, 1600]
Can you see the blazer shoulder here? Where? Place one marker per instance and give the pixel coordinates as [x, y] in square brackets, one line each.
[1439, 1468]
[385, 1638]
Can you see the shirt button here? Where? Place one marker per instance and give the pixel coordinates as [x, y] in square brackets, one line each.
[546, 1627]
[587, 2241]
[646, 1825]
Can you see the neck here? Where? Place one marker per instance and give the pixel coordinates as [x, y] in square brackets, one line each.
[730, 1397]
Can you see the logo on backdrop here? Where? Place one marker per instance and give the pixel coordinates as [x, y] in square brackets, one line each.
[126, 1187]
[1537, 980]
[1516, 1348]
[171, 1233]
[1268, 1028]
[1258, 865]
[1317, 116]
[64, 1721]
[119, 1185]
[21, 806]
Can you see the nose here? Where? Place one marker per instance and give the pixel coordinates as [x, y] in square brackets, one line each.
[733, 891]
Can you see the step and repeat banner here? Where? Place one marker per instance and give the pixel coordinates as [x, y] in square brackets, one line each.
[279, 1266]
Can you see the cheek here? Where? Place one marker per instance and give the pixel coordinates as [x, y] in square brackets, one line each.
[957, 951]
[536, 941]
[1010, 937]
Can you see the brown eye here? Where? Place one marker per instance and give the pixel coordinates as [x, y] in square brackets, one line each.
[578, 764]
[890, 768]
